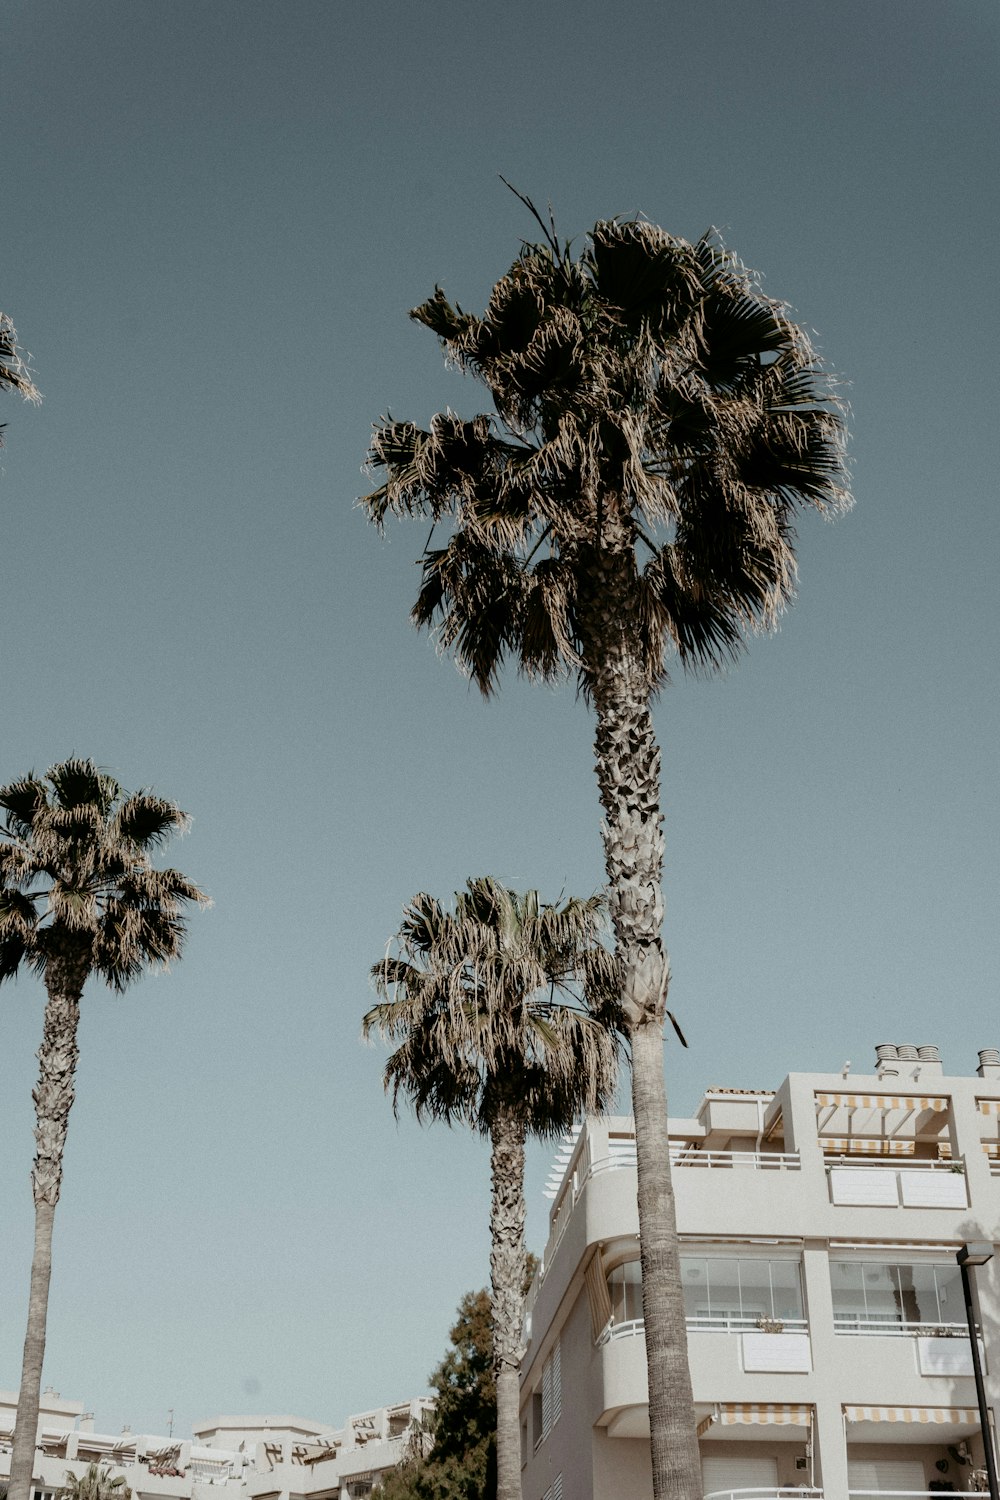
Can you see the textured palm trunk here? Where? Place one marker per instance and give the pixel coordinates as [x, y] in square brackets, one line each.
[507, 1258]
[53, 1096]
[628, 773]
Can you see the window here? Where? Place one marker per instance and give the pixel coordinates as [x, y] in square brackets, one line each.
[625, 1292]
[728, 1292]
[555, 1489]
[888, 1296]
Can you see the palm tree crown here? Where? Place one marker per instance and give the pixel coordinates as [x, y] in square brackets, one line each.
[503, 1005]
[650, 404]
[76, 882]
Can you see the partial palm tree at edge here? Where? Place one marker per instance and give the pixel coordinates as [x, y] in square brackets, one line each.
[505, 1010]
[656, 424]
[78, 896]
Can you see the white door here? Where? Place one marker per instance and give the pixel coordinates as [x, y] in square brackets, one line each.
[885, 1474]
[724, 1474]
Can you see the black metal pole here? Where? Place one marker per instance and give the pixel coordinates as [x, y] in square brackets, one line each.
[977, 1370]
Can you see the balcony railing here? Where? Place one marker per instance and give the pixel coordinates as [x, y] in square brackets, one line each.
[791, 1491]
[863, 1323]
[634, 1327]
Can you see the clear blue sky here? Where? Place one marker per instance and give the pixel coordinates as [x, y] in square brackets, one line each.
[216, 217]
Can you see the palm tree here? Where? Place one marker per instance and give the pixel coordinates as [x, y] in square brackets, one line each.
[95, 1483]
[504, 1010]
[657, 423]
[78, 896]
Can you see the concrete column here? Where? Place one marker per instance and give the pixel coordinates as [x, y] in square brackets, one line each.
[829, 1448]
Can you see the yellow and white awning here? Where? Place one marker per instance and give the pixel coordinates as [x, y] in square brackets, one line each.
[989, 1106]
[954, 1415]
[909, 1102]
[866, 1146]
[756, 1414]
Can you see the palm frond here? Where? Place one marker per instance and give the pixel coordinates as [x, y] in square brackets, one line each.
[15, 372]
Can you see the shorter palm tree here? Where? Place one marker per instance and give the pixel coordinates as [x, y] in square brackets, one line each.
[96, 1483]
[506, 1013]
[78, 896]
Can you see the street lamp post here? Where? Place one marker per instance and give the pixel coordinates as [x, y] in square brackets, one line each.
[977, 1254]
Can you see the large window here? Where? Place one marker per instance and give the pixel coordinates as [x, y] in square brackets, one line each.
[625, 1291]
[885, 1296]
[740, 1291]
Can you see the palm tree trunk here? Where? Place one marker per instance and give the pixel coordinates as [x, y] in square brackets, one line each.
[507, 1257]
[57, 1060]
[628, 772]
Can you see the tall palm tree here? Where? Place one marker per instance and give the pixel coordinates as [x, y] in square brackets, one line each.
[657, 422]
[505, 1012]
[78, 896]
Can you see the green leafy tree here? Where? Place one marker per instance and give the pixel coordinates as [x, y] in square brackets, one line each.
[96, 1483]
[504, 1010]
[78, 896]
[656, 424]
[462, 1462]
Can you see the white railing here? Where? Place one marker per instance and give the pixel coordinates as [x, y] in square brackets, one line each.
[771, 1492]
[861, 1323]
[634, 1327]
[955, 1165]
[744, 1323]
[760, 1161]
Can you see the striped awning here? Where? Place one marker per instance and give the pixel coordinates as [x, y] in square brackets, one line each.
[991, 1149]
[872, 1146]
[956, 1415]
[756, 1414]
[885, 1101]
[989, 1106]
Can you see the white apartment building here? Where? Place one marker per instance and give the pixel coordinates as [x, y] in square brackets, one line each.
[252, 1458]
[827, 1334]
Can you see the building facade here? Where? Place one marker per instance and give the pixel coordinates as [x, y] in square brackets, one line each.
[826, 1323]
[252, 1458]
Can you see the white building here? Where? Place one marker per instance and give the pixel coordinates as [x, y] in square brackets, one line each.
[827, 1333]
[252, 1458]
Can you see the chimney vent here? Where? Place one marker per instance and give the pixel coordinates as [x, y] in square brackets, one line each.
[989, 1063]
[886, 1060]
[930, 1062]
[907, 1053]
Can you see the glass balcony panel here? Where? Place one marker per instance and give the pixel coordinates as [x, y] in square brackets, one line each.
[786, 1289]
